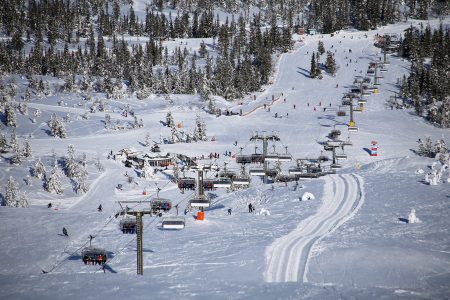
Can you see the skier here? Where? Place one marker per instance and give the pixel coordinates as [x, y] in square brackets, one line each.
[250, 208]
[276, 115]
[294, 106]
[49, 205]
[99, 208]
[64, 230]
[229, 211]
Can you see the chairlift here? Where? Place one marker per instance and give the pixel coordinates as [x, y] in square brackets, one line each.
[222, 182]
[341, 156]
[199, 202]
[352, 128]
[227, 174]
[173, 222]
[323, 158]
[257, 158]
[272, 172]
[284, 157]
[362, 101]
[341, 113]
[94, 256]
[335, 143]
[159, 205]
[241, 180]
[370, 72]
[335, 166]
[286, 178]
[186, 183]
[257, 172]
[296, 170]
[128, 225]
[243, 159]
[208, 184]
[271, 157]
[347, 142]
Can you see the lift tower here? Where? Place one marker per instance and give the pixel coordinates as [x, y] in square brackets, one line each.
[265, 138]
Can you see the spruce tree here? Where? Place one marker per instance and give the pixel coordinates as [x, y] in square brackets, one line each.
[330, 63]
[11, 198]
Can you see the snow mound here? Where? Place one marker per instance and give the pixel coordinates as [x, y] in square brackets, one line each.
[308, 196]
[264, 212]
[419, 171]
[412, 217]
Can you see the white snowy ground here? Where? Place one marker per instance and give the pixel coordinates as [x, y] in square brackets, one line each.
[349, 242]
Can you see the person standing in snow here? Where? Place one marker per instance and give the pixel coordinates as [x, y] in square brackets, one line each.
[64, 230]
[250, 208]
[229, 211]
[100, 208]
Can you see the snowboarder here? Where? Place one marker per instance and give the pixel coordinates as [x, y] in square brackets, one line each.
[229, 211]
[250, 208]
[64, 230]
[100, 208]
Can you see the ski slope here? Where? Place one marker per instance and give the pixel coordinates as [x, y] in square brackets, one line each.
[287, 257]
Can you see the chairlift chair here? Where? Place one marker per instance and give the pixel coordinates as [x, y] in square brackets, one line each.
[208, 184]
[272, 173]
[159, 205]
[257, 158]
[186, 183]
[94, 256]
[286, 178]
[257, 172]
[243, 159]
[173, 222]
[196, 202]
[241, 180]
[271, 157]
[335, 166]
[222, 182]
[352, 128]
[341, 156]
[362, 101]
[284, 157]
[296, 170]
[128, 225]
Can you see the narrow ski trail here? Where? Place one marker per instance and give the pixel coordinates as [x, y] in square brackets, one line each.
[287, 257]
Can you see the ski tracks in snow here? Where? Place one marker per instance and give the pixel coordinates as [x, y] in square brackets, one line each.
[287, 257]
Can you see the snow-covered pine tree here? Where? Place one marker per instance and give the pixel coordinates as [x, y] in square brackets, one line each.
[330, 63]
[27, 152]
[16, 158]
[3, 143]
[429, 149]
[69, 162]
[313, 70]
[169, 120]
[53, 184]
[320, 48]
[10, 114]
[39, 169]
[147, 140]
[146, 170]
[441, 150]
[11, 198]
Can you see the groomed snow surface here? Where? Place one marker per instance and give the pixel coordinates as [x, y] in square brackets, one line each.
[350, 242]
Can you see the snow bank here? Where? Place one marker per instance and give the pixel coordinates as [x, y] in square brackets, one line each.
[264, 212]
[308, 196]
[412, 217]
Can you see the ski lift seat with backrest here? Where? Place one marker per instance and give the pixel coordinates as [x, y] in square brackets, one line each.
[199, 203]
[94, 256]
[173, 222]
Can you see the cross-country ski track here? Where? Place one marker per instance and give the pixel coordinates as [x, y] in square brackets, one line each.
[287, 257]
